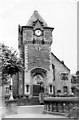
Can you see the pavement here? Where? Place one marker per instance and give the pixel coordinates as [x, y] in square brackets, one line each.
[34, 116]
[34, 111]
[2, 112]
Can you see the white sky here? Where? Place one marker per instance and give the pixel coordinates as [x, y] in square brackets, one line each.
[60, 14]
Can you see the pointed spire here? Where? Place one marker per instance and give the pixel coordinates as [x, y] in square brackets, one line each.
[36, 16]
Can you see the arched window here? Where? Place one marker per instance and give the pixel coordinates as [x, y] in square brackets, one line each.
[50, 89]
[27, 89]
[53, 67]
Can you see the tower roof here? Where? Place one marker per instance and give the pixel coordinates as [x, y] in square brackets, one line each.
[36, 16]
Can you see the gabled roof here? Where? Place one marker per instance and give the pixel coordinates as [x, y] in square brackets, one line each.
[36, 16]
[62, 62]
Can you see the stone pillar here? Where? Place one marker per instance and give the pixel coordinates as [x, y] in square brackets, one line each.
[21, 83]
[27, 81]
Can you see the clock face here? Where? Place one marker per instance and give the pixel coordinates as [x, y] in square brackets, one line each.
[38, 32]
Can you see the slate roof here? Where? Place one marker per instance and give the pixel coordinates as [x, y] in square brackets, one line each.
[62, 62]
[36, 16]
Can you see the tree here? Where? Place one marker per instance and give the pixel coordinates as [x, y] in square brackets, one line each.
[77, 72]
[11, 65]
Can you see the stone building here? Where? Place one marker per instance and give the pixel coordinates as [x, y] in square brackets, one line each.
[0, 64]
[75, 83]
[0, 74]
[42, 67]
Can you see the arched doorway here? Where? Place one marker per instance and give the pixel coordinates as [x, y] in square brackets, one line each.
[38, 77]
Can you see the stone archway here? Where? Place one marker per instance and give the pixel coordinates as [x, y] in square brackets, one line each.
[38, 76]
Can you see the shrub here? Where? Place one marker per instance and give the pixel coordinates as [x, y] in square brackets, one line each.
[74, 112]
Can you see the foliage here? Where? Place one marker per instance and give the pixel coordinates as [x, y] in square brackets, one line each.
[74, 113]
[77, 72]
[11, 64]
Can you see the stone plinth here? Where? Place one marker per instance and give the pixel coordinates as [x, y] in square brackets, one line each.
[11, 107]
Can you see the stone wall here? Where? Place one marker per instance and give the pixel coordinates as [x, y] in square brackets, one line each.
[60, 68]
[38, 56]
[0, 64]
[0, 75]
[27, 34]
[21, 56]
[15, 85]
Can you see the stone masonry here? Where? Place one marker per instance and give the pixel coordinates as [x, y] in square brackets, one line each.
[34, 42]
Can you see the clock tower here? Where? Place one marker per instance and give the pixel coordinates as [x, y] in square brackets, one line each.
[35, 41]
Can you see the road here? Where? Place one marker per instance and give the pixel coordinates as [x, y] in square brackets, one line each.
[32, 112]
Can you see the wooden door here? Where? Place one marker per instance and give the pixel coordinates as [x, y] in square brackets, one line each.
[36, 90]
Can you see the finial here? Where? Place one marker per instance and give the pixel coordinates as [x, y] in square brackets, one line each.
[35, 11]
[62, 62]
